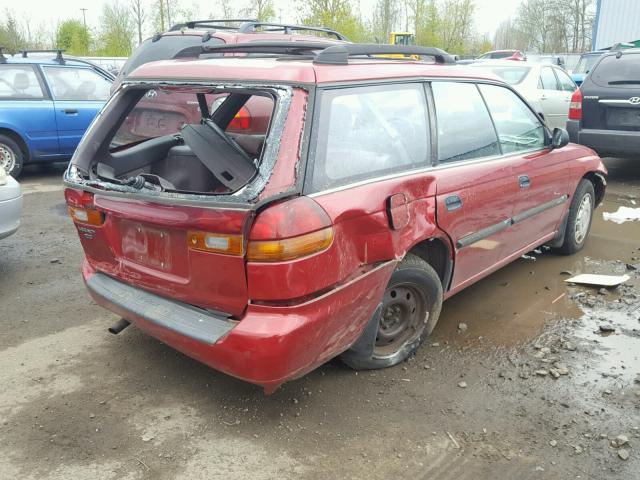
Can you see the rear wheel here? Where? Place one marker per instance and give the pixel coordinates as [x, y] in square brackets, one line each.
[579, 218]
[410, 309]
[11, 157]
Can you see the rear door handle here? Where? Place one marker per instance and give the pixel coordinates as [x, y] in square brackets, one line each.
[453, 202]
[524, 181]
[70, 111]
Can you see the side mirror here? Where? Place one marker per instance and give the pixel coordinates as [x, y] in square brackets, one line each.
[559, 138]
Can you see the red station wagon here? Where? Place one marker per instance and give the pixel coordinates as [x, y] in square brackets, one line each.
[380, 188]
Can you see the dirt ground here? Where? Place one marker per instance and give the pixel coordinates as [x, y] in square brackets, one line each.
[479, 402]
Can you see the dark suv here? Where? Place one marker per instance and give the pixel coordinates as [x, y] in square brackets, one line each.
[605, 111]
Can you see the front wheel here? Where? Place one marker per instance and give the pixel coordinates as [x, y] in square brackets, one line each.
[579, 218]
[408, 313]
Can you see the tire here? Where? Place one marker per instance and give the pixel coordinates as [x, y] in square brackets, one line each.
[11, 156]
[579, 218]
[409, 312]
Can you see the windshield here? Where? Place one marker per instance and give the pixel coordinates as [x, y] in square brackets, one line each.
[586, 63]
[511, 75]
[622, 71]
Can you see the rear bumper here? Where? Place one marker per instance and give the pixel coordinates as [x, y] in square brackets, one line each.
[10, 207]
[605, 142]
[270, 344]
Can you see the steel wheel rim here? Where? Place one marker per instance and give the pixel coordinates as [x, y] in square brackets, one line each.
[404, 311]
[7, 158]
[583, 219]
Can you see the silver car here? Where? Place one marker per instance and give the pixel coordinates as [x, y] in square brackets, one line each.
[10, 204]
[547, 88]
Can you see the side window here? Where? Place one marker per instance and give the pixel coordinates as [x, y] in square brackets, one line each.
[566, 84]
[365, 132]
[518, 128]
[19, 82]
[70, 83]
[465, 130]
[548, 79]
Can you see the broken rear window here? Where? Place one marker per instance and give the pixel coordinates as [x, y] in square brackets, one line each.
[187, 139]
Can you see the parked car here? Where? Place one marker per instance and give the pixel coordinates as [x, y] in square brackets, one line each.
[586, 63]
[187, 40]
[46, 104]
[10, 204]
[345, 233]
[547, 88]
[516, 55]
[605, 111]
[556, 60]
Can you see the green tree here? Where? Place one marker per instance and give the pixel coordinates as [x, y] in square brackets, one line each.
[11, 35]
[73, 37]
[385, 18]
[335, 14]
[261, 10]
[117, 31]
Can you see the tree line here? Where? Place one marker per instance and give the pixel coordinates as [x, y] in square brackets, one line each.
[540, 25]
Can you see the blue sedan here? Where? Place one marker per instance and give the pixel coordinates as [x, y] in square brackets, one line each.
[47, 102]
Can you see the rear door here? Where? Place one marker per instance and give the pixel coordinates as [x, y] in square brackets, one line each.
[552, 99]
[611, 94]
[539, 175]
[475, 187]
[567, 87]
[78, 95]
[25, 107]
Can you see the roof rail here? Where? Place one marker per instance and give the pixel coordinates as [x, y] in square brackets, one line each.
[275, 48]
[57, 51]
[326, 53]
[221, 24]
[287, 29]
[339, 54]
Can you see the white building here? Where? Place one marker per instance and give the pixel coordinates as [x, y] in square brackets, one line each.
[616, 21]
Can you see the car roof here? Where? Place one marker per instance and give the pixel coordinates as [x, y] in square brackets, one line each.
[298, 71]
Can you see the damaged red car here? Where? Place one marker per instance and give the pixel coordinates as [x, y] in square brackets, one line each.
[376, 189]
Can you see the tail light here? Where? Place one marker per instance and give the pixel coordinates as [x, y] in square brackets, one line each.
[82, 209]
[575, 107]
[216, 243]
[289, 230]
[242, 120]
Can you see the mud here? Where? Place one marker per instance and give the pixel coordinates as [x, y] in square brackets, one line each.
[80, 403]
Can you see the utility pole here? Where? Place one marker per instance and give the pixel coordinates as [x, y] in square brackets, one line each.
[86, 33]
[84, 18]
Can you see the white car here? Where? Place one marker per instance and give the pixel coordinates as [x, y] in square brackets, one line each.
[546, 87]
[10, 204]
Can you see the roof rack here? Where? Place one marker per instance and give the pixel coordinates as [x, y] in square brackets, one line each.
[221, 24]
[326, 53]
[57, 51]
[287, 29]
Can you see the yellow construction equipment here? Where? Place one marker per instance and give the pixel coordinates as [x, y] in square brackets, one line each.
[401, 38]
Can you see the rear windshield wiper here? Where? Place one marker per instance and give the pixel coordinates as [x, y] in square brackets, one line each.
[625, 82]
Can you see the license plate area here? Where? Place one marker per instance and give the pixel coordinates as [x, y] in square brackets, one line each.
[623, 118]
[146, 245]
[155, 123]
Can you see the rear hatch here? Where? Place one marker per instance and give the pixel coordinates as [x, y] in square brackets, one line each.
[165, 200]
[611, 94]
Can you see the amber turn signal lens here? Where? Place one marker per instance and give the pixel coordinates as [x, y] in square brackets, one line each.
[86, 216]
[289, 248]
[216, 243]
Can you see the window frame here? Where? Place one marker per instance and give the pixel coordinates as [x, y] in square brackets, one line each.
[308, 187]
[558, 71]
[70, 67]
[46, 94]
[541, 84]
[308, 165]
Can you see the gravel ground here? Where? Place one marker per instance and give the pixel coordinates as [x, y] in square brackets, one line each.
[524, 377]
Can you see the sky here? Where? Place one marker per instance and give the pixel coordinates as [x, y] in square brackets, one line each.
[489, 13]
